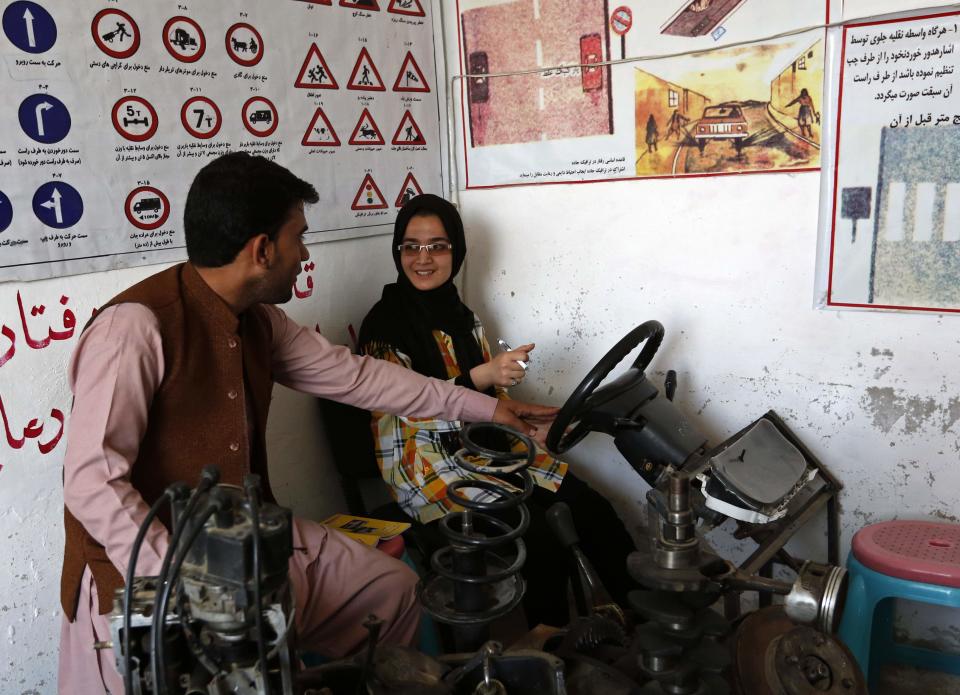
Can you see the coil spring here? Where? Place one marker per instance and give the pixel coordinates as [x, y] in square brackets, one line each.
[472, 584]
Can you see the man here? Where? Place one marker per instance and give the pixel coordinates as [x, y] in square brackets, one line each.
[675, 124]
[176, 372]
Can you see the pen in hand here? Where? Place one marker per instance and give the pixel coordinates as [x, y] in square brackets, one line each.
[506, 348]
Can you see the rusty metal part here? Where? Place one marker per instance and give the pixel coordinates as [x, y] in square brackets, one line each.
[750, 643]
[772, 656]
[808, 662]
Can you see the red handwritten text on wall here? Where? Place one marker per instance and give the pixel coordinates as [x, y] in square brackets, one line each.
[34, 429]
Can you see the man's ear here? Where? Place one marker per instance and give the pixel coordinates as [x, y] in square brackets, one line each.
[261, 251]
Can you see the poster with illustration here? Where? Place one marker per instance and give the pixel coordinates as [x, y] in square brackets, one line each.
[890, 212]
[720, 97]
[111, 108]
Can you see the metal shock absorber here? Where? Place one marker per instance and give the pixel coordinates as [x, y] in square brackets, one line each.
[476, 579]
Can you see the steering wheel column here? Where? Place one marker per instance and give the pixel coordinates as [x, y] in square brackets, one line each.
[648, 429]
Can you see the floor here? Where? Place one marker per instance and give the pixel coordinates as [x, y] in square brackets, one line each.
[906, 680]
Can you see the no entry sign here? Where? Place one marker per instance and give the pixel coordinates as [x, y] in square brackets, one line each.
[621, 20]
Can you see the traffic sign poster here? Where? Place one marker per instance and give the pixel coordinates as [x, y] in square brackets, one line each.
[147, 207]
[366, 132]
[201, 117]
[113, 110]
[365, 75]
[320, 132]
[368, 196]
[116, 33]
[29, 26]
[44, 118]
[561, 91]
[6, 211]
[412, 8]
[409, 190]
[408, 132]
[890, 210]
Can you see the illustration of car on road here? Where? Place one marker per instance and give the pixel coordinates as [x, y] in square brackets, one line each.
[147, 205]
[722, 122]
[261, 116]
[591, 52]
[479, 87]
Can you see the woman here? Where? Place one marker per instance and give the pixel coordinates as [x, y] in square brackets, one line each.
[653, 134]
[421, 324]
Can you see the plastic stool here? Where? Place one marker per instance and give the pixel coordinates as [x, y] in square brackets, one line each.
[913, 560]
[429, 638]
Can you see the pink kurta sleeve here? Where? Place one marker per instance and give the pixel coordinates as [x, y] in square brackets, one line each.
[306, 361]
[114, 373]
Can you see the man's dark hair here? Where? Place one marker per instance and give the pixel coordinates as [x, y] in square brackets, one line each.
[234, 198]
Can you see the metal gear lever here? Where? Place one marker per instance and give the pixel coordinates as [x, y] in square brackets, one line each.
[595, 599]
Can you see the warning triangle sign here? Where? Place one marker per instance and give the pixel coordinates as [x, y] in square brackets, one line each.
[320, 132]
[369, 196]
[408, 190]
[410, 77]
[315, 73]
[408, 132]
[361, 4]
[408, 7]
[366, 131]
[365, 75]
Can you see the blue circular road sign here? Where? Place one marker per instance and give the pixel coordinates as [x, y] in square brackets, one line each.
[29, 27]
[44, 118]
[6, 211]
[58, 205]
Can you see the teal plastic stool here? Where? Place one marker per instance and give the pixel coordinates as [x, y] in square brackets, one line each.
[429, 642]
[913, 560]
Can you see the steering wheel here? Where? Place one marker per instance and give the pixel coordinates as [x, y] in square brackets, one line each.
[580, 401]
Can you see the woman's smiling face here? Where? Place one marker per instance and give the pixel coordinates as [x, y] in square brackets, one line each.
[426, 271]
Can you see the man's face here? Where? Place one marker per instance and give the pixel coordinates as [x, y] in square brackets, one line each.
[289, 253]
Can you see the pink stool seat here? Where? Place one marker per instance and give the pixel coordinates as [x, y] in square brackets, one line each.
[918, 551]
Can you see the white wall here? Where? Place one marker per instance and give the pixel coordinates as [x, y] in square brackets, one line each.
[347, 277]
[726, 264]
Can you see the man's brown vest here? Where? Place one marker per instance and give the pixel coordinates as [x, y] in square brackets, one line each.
[213, 363]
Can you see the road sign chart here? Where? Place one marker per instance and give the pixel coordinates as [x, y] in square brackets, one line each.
[113, 107]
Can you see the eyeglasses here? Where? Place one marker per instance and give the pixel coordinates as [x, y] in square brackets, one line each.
[434, 249]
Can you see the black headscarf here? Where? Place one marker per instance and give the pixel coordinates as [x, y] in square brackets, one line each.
[406, 317]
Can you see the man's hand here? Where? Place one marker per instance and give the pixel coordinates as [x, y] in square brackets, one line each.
[529, 418]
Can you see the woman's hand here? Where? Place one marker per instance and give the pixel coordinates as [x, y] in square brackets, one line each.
[502, 370]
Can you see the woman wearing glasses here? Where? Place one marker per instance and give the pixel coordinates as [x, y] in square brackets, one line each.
[420, 323]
